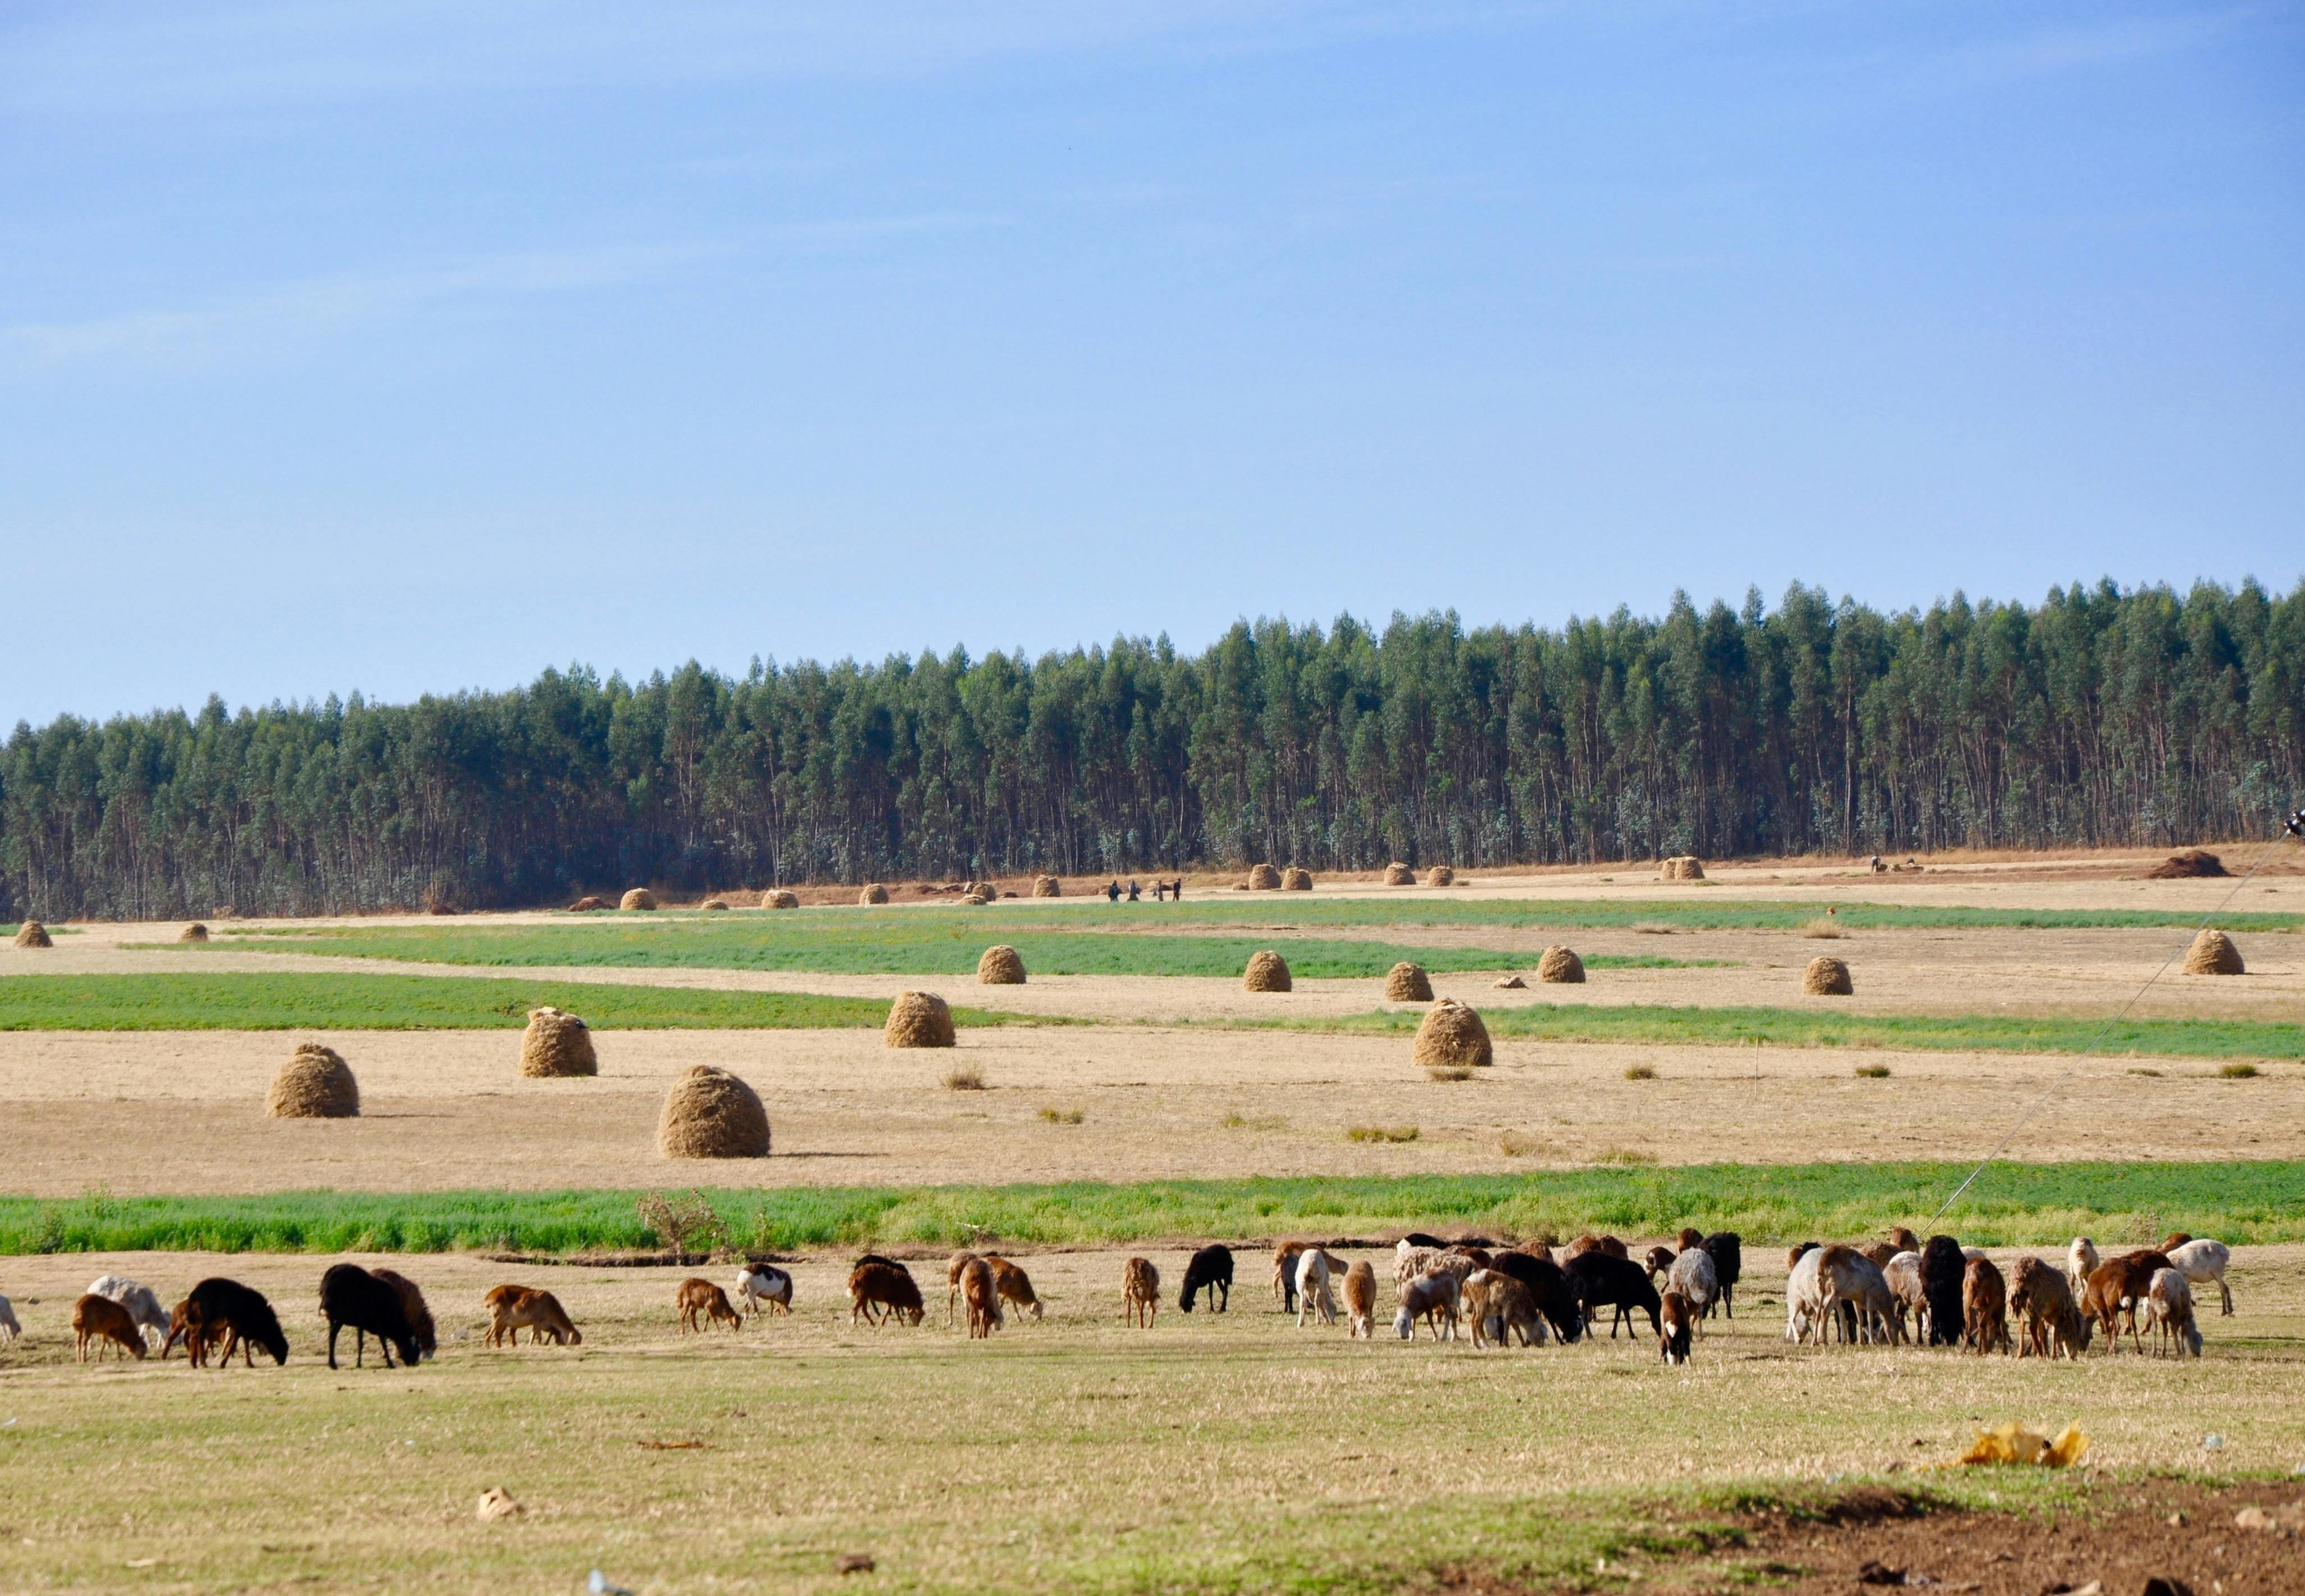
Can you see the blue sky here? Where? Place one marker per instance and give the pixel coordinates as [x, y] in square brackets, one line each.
[415, 347]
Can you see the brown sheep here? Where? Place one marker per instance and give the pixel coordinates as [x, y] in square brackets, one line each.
[1690, 1236]
[954, 1267]
[1904, 1240]
[99, 1319]
[1676, 1318]
[513, 1309]
[982, 1292]
[1360, 1301]
[881, 1289]
[1658, 1261]
[1984, 1307]
[2115, 1289]
[1595, 1243]
[1140, 1292]
[2173, 1241]
[1284, 1274]
[1013, 1284]
[2042, 1301]
[411, 1304]
[1879, 1252]
[701, 1299]
[1492, 1298]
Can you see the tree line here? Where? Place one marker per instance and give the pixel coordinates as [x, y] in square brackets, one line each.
[2099, 716]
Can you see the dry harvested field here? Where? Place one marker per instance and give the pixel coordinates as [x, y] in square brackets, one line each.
[1228, 1453]
[183, 1112]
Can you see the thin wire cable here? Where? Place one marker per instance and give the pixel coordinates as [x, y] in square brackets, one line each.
[2296, 824]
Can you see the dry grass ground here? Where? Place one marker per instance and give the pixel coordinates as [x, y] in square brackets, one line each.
[1232, 1453]
[182, 1112]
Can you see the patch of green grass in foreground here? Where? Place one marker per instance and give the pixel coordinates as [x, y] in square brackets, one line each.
[2012, 1204]
[853, 942]
[1668, 1026]
[230, 1000]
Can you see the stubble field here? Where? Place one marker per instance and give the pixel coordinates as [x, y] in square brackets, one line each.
[1237, 1453]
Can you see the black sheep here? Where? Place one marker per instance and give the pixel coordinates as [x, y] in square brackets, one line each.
[1556, 1297]
[1417, 1238]
[1727, 1251]
[1605, 1282]
[1209, 1270]
[217, 1307]
[351, 1295]
[1943, 1264]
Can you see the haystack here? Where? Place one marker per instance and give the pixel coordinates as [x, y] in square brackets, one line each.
[1510, 983]
[1267, 972]
[1296, 879]
[556, 1044]
[33, 934]
[1683, 867]
[1264, 878]
[1407, 982]
[1452, 1036]
[1046, 886]
[639, 897]
[586, 904]
[1000, 967]
[986, 890]
[714, 904]
[1826, 977]
[976, 899]
[873, 893]
[710, 1114]
[2187, 863]
[920, 1020]
[315, 1083]
[777, 897]
[1398, 874]
[1560, 967]
[1439, 875]
[194, 932]
[2213, 952]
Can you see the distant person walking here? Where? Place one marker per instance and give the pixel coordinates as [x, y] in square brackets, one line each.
[1112, 892]
[1133, 894]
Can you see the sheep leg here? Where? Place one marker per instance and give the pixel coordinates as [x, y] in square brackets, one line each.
[2224, 1292]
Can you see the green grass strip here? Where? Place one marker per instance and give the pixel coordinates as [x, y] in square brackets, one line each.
[2012, 1204]
[1667, 1026]
[230, 1000]
[846, 942]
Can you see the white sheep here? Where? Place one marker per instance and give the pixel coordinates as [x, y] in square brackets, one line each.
[2203, 1261]
[759, 1283]
[1313, 1294]
[2080, 1263]
[1431, 1297]
[2169, 1305]
[1903, 1274]
[9, 1328]
[142, 1306]
[1805, 1297]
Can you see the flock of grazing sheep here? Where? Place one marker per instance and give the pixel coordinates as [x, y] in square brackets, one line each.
[1885, 1292]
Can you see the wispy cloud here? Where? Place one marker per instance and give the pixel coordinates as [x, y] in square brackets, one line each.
[292, 313]
[77, 58]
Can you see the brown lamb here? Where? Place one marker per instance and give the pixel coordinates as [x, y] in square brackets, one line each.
[97, 1321]
[1140, 1293]
[513, 1309]
[984, 1294]
[702, 1301]
[1015, 1286]
[1984, 1307]
[881, 1289]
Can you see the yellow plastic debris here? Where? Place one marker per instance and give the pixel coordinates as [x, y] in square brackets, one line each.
[2013, 1443]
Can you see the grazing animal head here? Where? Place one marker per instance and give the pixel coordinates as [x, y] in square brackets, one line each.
[1404, 1324]
[1659, 1261]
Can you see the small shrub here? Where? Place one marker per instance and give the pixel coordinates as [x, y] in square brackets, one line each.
[1624, 1155]
[2239, 1072]
[1254, 1122]
[1379, 1132]
[1449, 1071]
[1514, 1145]
[683, 1224]
[1653, 928]
[1641, 1071]
[1873, 1072]
[2155, 1073]
[1824, 931]
[1063, 1115]
[964, 1077]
